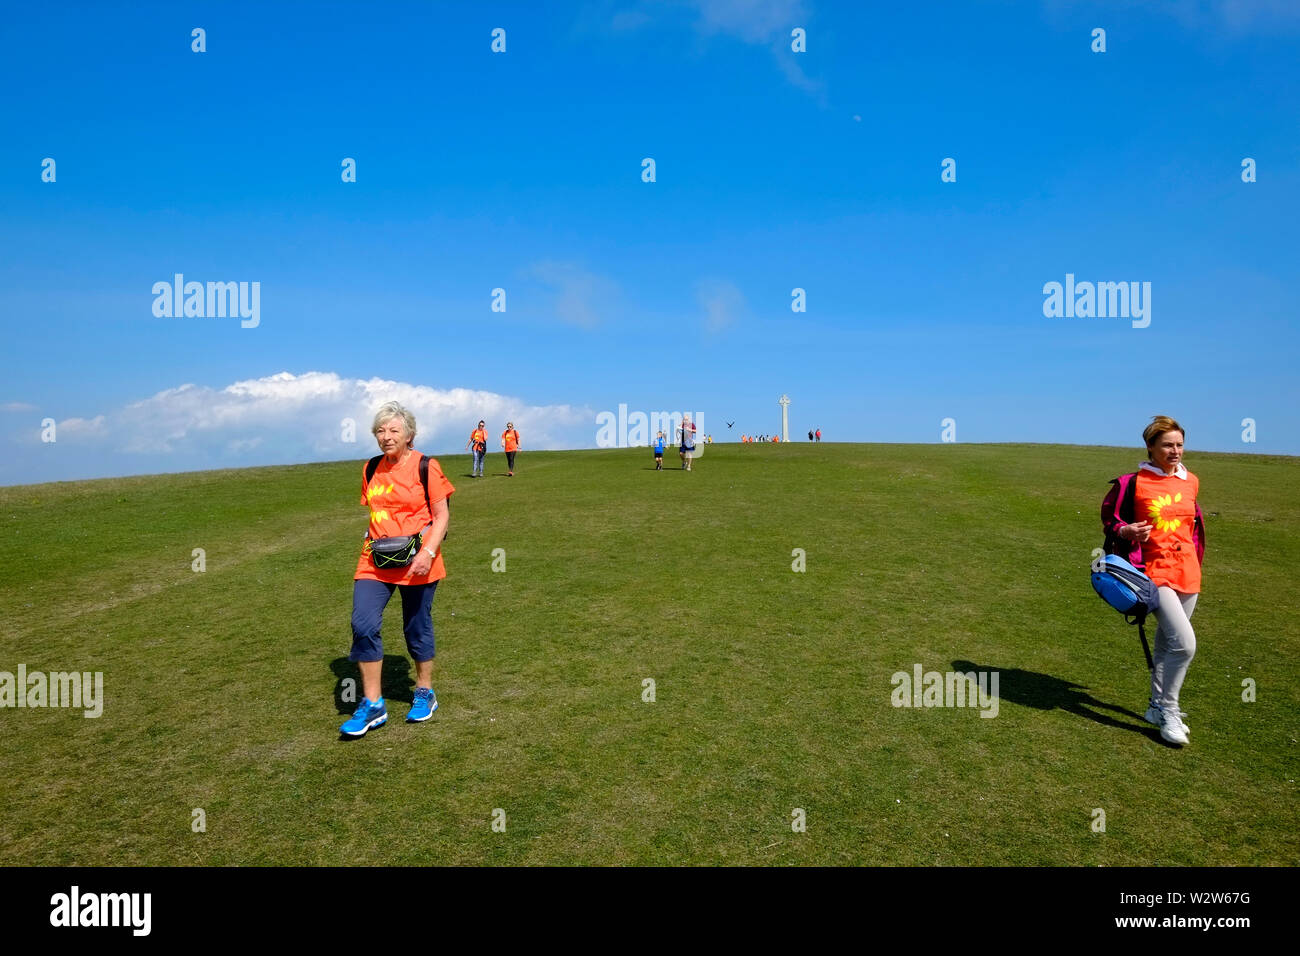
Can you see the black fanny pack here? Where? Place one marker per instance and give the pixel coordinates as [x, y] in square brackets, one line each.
[395, 552]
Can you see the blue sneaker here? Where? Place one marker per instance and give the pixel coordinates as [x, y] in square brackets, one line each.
[423, 707]
[369, 714]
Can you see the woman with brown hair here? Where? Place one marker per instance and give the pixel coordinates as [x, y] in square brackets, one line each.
[1152, 518]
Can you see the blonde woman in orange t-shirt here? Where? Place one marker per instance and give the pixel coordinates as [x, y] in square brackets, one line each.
[402, 550]
[1168, 528]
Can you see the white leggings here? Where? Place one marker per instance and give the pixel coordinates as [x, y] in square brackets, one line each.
[1175, 646]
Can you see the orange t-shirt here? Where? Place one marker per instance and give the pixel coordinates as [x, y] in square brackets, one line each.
[395, 498]
[1169, 504]
[477, 437]
[511, 438]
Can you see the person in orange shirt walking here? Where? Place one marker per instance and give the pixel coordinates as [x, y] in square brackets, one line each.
[1153, 519]
[510, 442]
[478, 443]
[407, 495]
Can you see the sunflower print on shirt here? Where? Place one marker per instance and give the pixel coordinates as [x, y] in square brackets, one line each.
[1157, 505]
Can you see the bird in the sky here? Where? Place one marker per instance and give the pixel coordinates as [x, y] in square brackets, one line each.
[729, 424]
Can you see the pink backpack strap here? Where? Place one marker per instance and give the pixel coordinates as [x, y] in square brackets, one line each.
[1119, 509]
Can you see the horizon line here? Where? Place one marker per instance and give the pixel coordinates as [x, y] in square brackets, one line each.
[543, 451]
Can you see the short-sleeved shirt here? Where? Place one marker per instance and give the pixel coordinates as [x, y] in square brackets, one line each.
[1168, 502]
[395, 497]
[511, 439]
[478, 438]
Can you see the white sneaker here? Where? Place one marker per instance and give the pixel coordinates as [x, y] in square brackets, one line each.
[1153, 716]
[1171, 728]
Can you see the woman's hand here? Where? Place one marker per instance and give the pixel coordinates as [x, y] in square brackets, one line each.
[421, 565]
[1138, 532]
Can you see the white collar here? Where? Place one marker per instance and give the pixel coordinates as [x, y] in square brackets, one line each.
[1178, 472]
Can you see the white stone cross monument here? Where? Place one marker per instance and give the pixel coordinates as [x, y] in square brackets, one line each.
[784, 402]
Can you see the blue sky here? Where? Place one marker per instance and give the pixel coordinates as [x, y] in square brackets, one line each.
[522, 170]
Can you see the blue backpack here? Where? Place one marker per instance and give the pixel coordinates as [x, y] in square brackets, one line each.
[1128, 591]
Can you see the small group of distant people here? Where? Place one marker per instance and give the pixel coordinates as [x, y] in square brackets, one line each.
[751, 439]
[478, 444]
[814, 434]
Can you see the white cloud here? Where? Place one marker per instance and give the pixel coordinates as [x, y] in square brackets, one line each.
[723, 303]
[238, 445]
[580, 297]
[80, 427]
[629, 20]
[288, 417]
[17, 407]
[1236, 17]
[1245, 16]
[754, 21]
[764, 23]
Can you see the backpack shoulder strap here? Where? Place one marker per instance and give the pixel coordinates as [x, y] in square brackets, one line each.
[1198, 531]
[1118, 508]
[424, 480]
[1128, 495]
[371, 465]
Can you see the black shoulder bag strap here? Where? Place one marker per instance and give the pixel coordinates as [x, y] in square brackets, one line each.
[1146, 648]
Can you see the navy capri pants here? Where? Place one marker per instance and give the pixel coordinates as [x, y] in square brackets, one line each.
[369, 598]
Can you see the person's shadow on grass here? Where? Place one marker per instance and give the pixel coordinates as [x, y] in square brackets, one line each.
[1044, 692]
[396, 684]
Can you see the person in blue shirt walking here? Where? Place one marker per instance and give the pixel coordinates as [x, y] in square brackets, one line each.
[660, 441]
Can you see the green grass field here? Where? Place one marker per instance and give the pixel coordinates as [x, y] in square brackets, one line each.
[772, 688]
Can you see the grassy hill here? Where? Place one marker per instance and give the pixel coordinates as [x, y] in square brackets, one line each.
[772, 688]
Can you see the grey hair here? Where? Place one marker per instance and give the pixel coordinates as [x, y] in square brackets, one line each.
[390, 410]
